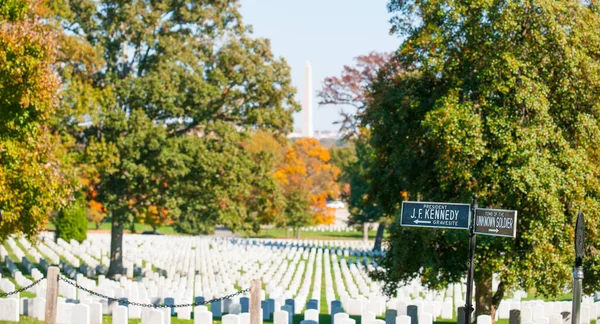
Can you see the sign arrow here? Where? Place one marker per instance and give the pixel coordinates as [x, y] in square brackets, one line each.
[493, 230]
[422, 222]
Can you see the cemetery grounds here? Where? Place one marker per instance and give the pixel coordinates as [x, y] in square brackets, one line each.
[184, 267]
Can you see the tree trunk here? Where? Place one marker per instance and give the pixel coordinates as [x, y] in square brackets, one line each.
[116, 249]
[298, 233]
[365, 231]
[487, 302]
[379, 237]
[287, 232]
[97, 225]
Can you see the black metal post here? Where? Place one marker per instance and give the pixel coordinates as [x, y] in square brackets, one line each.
[578, 269]
[472, 245]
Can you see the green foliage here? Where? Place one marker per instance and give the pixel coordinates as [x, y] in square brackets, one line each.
[165, 104]
[362, 206]
[342, 157]
[502, 99]
[33, 181]
[71, 222]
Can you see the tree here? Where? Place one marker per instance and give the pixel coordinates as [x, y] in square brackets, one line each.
[361, 205]
[174, 88]
[307, 178]
[343, 157]
[351, 88]
[34, 181]
[497, 98]
[71, 222]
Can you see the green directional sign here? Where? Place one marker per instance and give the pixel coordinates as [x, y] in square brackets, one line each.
[496, 222]
[437, 215]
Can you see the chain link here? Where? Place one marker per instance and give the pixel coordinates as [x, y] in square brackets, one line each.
[124, 301]
[21, 289]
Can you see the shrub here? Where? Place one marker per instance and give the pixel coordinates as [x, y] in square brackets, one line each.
[71, 222]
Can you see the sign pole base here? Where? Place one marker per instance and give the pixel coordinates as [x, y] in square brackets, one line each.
[472, 246]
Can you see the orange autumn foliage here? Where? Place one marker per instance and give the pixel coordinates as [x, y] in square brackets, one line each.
[307, 168]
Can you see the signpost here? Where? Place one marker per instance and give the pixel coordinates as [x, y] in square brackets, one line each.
[437, 215]
[496, 222]
[578, 269]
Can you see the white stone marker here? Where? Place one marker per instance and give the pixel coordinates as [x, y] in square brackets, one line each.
[526, 314]
[339, 317]
[80, 314]
[95, 313]
[311, 315]
[403, 319]
[367, 317]
[119, 315]
[401, 308]
[542, 320]
[280, 317]
[245, 318]
[427, 318]
[481, 319]
[9, 309]
[202, 317]
[585, 314]
[154, 316]
[184, 313]
[230, 319]
[166, 316]
[39, 308]
[556, 319]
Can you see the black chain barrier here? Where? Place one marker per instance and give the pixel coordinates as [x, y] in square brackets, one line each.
[124, 301]
[21, 289]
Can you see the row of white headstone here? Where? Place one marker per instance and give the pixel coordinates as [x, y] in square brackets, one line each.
[214, 267]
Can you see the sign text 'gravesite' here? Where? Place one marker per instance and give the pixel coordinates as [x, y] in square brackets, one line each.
[431, 214]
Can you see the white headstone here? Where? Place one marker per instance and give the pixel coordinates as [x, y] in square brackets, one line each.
[244, 318]
[482, 319]
[280, 317]
[311, 315]
[202, 317]
[427, 318]
[403, 319]
[120, 315]
[230, 319]
[95, 313]
[339, 317]
[526, 314]
[401, 308]
[9, 309]
[154, 316]
[184, 313]
[80, 314]
[542, 320]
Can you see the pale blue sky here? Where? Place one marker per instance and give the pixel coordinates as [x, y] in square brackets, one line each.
[328, 33]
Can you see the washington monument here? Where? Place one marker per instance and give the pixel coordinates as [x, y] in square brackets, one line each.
[307, 122]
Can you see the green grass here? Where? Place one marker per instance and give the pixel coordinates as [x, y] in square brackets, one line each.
[278, 233]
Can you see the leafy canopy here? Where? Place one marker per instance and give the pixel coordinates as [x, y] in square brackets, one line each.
[161, 96]
[32, 180]
[502, 99]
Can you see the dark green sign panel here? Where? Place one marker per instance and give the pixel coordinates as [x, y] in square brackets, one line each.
[496, 222]
[437, 215]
